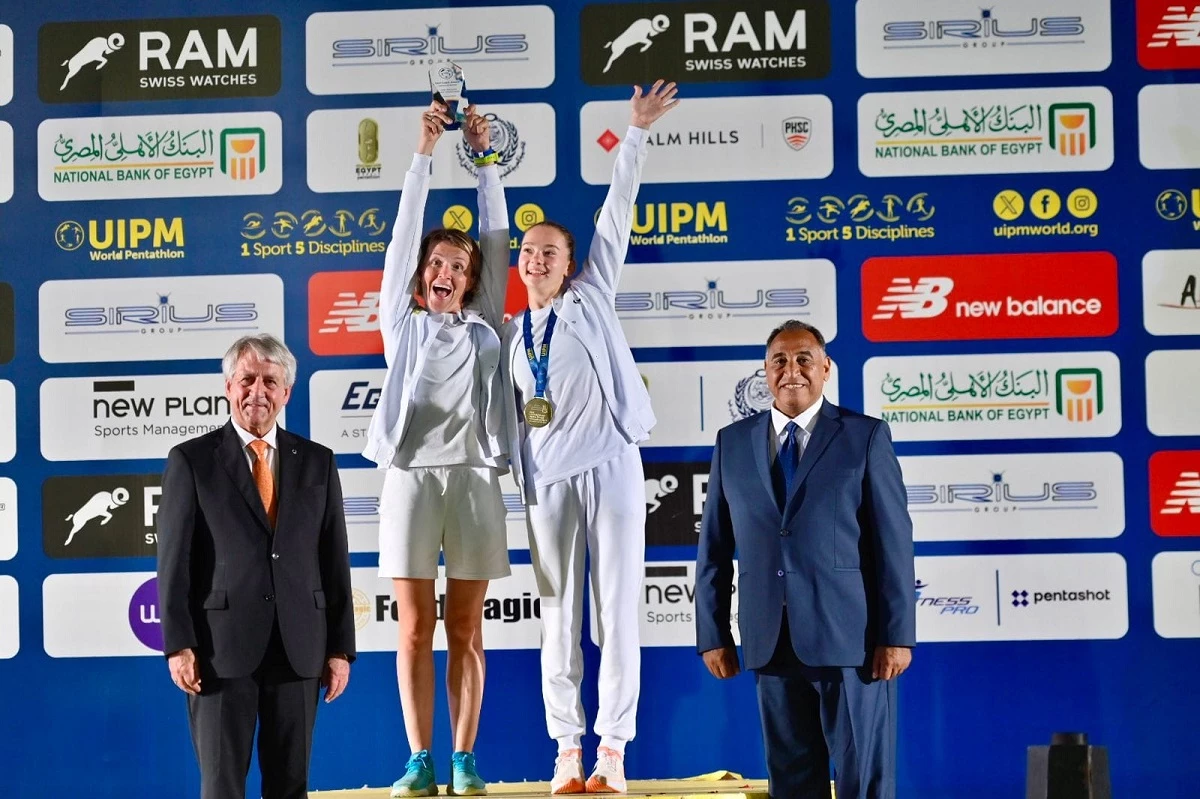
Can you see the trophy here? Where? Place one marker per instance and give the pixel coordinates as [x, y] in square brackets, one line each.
[447, 83]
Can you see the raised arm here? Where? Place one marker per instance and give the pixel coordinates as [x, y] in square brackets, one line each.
[400, 262]
[606, 257]
[493, 223]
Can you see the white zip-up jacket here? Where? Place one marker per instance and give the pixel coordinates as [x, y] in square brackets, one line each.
[408, 331]
[586, 310]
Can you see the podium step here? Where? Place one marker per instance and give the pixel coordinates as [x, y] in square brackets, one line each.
[652, 789]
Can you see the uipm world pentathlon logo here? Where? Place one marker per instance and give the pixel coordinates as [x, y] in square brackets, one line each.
[243, 152]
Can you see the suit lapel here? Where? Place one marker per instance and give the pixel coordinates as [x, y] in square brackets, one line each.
[290, 460]
[233, 460]
[762, 452]
[829, 425]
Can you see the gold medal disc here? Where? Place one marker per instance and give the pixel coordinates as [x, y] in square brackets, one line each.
[538, 412]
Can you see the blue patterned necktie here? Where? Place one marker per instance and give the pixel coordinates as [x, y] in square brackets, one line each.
[789, 456]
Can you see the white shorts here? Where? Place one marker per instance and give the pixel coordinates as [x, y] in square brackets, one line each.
[456, 509]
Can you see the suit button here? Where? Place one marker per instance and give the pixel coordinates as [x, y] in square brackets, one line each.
[779, 573]
[274, 556]
[271, 597]
[783, 532]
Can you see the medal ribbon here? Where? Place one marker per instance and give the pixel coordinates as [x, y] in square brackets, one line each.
[539, 367]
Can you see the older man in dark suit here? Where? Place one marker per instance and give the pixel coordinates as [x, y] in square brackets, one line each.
[254, 581]
[811, 498]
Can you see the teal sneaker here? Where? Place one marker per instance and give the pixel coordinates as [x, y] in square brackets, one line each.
[418, 779]
[464, 779]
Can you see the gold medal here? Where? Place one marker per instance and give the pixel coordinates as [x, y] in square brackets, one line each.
[538, 412]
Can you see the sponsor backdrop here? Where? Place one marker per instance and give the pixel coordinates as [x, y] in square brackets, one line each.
[993, 212]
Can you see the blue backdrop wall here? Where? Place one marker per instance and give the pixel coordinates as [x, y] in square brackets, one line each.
[992, 212]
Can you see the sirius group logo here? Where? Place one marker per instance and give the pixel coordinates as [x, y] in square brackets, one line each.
[1015, 496]
[911, 38]
[1168, 34]
[172, 317]
[498, 47]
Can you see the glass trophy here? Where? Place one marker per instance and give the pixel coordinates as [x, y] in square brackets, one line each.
[448, 84]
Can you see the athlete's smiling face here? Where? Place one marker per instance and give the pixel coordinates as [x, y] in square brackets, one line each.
[446, 278]
[544, 261]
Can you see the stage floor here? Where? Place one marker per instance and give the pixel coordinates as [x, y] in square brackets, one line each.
[659, 789]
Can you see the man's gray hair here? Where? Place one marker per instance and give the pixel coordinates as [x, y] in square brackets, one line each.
[267, 348]
[791, 326]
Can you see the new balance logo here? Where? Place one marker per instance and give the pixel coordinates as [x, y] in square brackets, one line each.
[352, 314]
[1178, 26]
[1185, 495]
[921, 300]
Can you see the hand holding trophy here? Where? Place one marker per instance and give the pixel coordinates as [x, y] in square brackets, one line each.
[434, 121]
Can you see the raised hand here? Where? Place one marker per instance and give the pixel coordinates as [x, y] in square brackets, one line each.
[433, 125]
[648, 107]
[477, 130]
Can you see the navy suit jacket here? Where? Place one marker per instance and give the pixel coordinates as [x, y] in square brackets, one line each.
[840, 551]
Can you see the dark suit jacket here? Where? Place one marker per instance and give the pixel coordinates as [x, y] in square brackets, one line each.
[840, 552]
[223, 574]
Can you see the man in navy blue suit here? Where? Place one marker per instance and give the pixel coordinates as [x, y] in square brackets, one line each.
[810, 498]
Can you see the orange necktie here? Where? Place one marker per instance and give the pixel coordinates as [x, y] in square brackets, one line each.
[263, 479]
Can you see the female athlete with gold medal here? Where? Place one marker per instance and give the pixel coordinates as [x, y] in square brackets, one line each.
[574, 448]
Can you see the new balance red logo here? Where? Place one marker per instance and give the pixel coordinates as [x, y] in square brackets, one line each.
[1185, 496]
[1175, 493]
[1168, 34]
[1179, 27]
[921, 300]
[352, 313]
[343, 313]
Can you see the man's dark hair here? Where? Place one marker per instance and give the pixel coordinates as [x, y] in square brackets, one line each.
[791, 326]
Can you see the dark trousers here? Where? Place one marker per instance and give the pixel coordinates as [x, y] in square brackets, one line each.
[813, 714]
[223, 717]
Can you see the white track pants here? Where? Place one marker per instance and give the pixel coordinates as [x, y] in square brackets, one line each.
[602, 510]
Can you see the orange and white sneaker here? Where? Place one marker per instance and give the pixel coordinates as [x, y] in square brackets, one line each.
[568, 773]
[609, 774]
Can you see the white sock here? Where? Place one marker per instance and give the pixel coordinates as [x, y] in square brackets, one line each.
[615, 744]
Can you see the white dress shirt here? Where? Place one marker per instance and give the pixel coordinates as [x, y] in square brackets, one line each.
[247, 437]
[806, 421]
